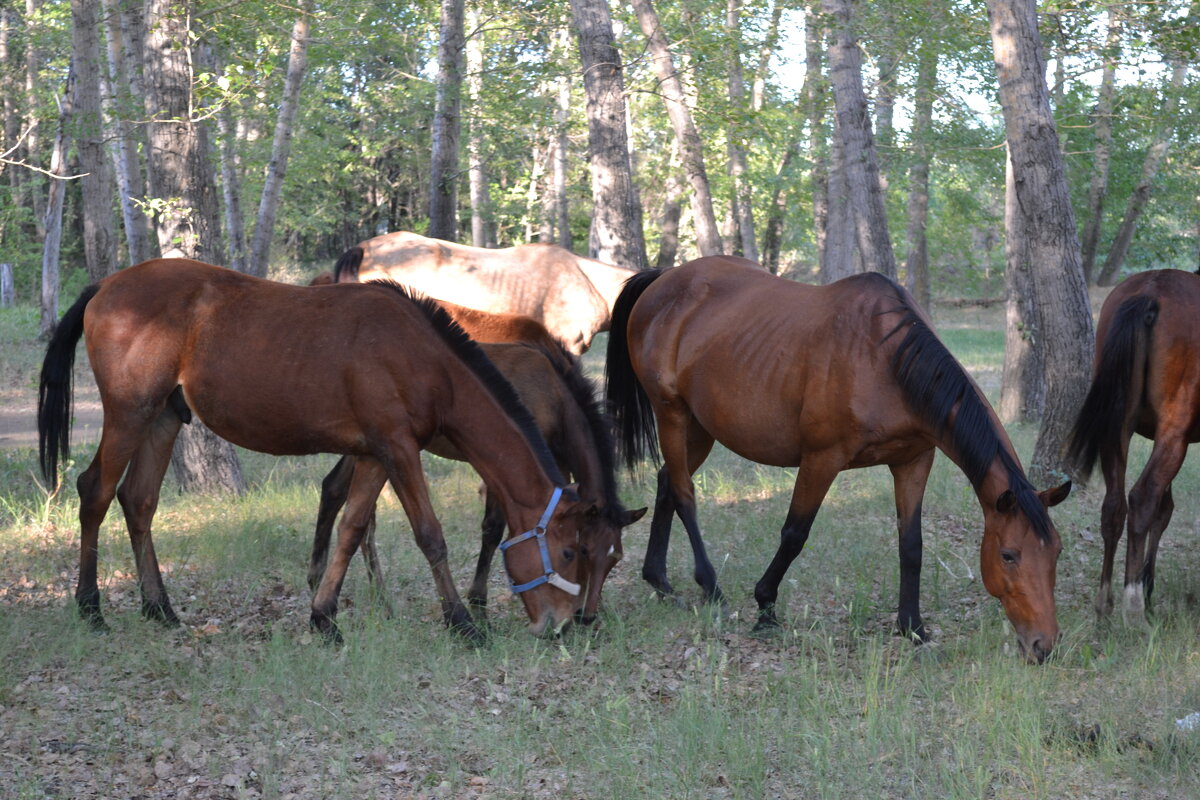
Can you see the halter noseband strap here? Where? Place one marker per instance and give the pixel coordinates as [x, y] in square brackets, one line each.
[539, 533]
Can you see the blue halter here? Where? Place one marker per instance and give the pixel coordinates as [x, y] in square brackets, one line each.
[539, 533]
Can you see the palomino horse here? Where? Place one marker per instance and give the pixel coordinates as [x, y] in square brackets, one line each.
[1144, 380]
[571, 295]
[172, 337]
[563, 404]
[824, 379]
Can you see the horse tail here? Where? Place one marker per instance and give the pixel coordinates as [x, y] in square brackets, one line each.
[54, 390]
[627, 400]
[347, 266]
[1117, 386]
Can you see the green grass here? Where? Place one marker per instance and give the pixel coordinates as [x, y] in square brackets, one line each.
[664, 700]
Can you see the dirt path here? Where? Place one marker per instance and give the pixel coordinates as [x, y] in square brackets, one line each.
[18, 414]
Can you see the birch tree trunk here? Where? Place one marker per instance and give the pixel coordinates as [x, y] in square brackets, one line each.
[859, 160]
[231, 187]
[182, 180]
[52, 223]
[483, 232]
[815, 95]
[737, 151]
[99, 239]
[1064, 321]
[562, 112]
[837, 258]
[616, 235]
[11, 130]
[33, 60]
[281, 145]
[1102, 124]
[443, 174]
[708, 236]
[1022, 387]
[1141, 193]
[917, 264]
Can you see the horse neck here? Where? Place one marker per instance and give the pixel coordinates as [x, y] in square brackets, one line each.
[996, 478]
[582, 457]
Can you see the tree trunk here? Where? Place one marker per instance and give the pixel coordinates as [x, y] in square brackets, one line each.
[130, 183]
[691, 150]
[182, 183]
[483, 230]
[1064, 320]
[616, 235]
[815, 98]
[1102, 124]
[33, 60]
[443, 174]
[885, 108]
[281, 145]
[837, 259]
[1141, 193]
[99, 239]
[562, 113]
[231, 188]
[52, 223]
[1022, 385]
[917, 265]
[773, 232]
[10, 134]
[854, 128]
[737, 151]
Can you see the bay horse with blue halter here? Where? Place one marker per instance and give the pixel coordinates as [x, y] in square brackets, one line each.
[1145, 380]
[281, 369]
[824, 379]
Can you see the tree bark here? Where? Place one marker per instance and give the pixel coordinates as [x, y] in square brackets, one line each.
[1141, 193]
[33, 60]
[99, 239]
[1064, 320]
[562, 113]
[691, 150]
[854, 128]
[773, 231]
[52, 223]
[483, 231]
[443, 174]
[182, 183]
[917, 264]
[837, 257]
[231, 187]
[616, 236]
[11, 130]
[1022, 387]
[130, 183]
[815, 96]
[1102, 124]
[738, 168]
[281, 145]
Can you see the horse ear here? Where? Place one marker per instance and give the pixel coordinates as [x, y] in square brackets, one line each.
[1052, 497]
[630, 516]
[1006, 502]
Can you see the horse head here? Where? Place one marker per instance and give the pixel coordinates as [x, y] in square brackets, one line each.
[602, 549]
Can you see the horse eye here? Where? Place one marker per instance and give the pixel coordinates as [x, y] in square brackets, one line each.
[1009, 557]
[584, 551]
[568, 554]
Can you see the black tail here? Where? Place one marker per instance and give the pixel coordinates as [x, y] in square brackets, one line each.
[1117, 386]
[54, 391]
[346, 268]
[627, 400]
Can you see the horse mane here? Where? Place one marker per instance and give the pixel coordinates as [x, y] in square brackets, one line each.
[477, 361]
[347, 266]
[583, 391]
[937, 387]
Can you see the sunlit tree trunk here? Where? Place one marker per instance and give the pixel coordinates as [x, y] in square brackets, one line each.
[281, 146]
[182, 181]
[52, 223]
[99, 235]
[33, 60]
[231, 187]
[816, 93]
[837, 257]
[1102, 127]
[917, 263]
[859, 161]
[1022, 387]
[443, 174]
[562, 112]
[616, 235]
[738, 168]
[1064, 328]
[10, 133]
[483, 231]
[708, 236]
[773, 230]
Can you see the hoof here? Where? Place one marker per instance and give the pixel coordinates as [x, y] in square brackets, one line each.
[327, 629]
[161, 613]
[917, 634]
[89, 612]
[768, 623]
[469, 632]
[663, 589]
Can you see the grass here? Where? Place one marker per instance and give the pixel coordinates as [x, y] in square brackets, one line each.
[664, 700]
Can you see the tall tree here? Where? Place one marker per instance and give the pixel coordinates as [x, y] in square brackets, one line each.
[1102, 126]
[1064, 319]
[281, 147]
[483, 229]
[837, 256]
[33, 61]
[443, 174]
[859, 160]
[917, 263]
[183, 188]
[738, 168]
[53, 223]
[616, 235]
[99, 236]
[691, 150]
[814, 97]
[1022, 387]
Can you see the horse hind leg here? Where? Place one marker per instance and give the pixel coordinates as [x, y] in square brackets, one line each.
[1113, 513]
[335, 488]
[1147, 503]
[654, 567]
[685, 445]
[493, 531]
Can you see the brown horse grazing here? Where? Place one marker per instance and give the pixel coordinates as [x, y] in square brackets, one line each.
[172, 337]
[564, 408]
[824, 379]
[571, 295]
[1144, 380]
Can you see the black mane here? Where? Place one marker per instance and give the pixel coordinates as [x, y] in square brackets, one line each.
[478, 362]
[936, 385]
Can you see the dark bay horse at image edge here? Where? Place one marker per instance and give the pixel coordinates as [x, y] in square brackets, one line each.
[1145, 380]
[278, 369]
[824, 379]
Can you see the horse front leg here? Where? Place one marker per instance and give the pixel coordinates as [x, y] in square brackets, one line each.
[910, 480]
[492, 533]
[813, 480]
